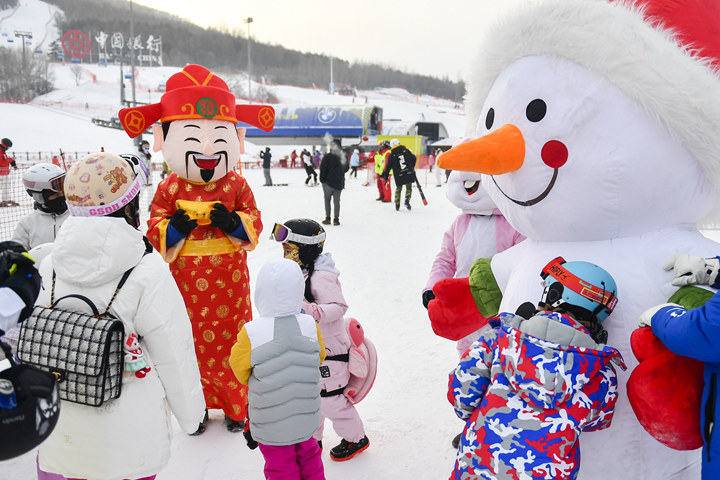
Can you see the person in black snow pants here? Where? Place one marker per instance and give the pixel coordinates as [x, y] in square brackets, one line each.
[332, 176]
[401, 163]
[266, 157]
[309, 169]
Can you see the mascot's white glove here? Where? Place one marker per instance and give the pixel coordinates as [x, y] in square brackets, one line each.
[693, 270]
[646, 317]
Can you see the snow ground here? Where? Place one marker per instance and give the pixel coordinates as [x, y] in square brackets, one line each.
[384, 257]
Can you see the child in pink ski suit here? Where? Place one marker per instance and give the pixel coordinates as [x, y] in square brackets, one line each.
[480, 231]
[303, 241]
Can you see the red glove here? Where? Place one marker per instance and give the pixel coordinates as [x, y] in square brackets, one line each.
[665, 392]
[453, 313]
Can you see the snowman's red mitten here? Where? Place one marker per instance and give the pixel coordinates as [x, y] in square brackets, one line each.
[665, 392]
[463, 305]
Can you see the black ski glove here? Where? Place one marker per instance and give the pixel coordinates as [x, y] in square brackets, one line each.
[18, 272]
[251, 443]
[220, 217]
[180, 220]
[427, 295]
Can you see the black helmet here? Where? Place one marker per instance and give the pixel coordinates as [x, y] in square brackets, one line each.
[385, 144]
[6, 142]
[307, 252]
[34, 394]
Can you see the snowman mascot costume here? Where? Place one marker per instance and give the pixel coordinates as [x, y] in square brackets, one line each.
[597, 130]
[203, 218]
[480, 231]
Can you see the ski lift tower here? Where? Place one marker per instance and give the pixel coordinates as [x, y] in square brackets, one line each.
[25, 36]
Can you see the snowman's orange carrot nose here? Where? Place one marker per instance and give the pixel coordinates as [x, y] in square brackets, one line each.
[498, 152]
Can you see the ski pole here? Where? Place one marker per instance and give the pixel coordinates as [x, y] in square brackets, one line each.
[422, 195]
[62, 155]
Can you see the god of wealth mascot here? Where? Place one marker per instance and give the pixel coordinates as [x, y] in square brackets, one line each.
[203, 218]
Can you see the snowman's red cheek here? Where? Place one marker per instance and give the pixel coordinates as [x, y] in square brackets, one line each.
[554, 154]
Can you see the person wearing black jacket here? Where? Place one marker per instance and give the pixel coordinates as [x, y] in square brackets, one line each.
[266, 156]
[401, 163]
[332, 176]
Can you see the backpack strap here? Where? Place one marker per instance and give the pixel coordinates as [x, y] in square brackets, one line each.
[123, 279]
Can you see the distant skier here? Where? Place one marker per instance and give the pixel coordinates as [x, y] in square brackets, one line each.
[401, 163]
[6, 161]
[354, 162]
[266, 157]
[308, 164]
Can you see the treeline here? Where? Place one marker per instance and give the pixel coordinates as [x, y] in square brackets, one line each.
[23, 78]
[184, 42]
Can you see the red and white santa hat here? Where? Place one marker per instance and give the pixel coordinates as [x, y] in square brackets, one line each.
[195, 93]
[663, 54]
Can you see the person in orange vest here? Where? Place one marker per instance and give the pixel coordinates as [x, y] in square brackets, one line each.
[384, 188]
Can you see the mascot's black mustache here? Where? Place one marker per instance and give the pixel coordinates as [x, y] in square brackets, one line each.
[206, 175]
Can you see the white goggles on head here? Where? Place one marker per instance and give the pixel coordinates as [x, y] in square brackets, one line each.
[282, 234]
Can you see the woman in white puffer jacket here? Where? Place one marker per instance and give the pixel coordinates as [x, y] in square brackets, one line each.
[129, 437]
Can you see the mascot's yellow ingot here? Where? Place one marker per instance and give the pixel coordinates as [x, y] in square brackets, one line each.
[203, 217]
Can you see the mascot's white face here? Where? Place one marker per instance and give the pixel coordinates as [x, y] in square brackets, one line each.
[465, 191]
[201, 151]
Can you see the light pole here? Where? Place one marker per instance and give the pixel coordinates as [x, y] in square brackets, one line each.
[249, 20]
[132, 52]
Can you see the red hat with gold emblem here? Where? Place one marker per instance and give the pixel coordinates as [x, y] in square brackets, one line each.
[196, 93]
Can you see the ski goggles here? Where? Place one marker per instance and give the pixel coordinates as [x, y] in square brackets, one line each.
[281, 233]
[592, 292]
[55, 184]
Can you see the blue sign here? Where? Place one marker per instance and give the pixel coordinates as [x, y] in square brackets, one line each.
[313, 121]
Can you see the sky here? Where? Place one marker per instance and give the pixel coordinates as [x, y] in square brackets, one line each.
[420, 36]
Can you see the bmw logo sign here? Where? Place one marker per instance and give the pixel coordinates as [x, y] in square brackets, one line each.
[327, 115]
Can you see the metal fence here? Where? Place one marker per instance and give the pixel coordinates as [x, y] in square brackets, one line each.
[11, 215]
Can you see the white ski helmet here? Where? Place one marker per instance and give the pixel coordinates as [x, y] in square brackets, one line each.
[43, 176]
[42, 181]
[101, 184]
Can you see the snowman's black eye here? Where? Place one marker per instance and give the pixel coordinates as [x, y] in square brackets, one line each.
[489, 119]
[536, 110]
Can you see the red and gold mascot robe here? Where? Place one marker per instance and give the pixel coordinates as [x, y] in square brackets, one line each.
[206, 248]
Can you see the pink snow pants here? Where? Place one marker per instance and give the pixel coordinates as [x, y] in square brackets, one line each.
[300, 461]
[345, 419]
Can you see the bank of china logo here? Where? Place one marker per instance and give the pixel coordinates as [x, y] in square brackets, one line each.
[327, 115]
